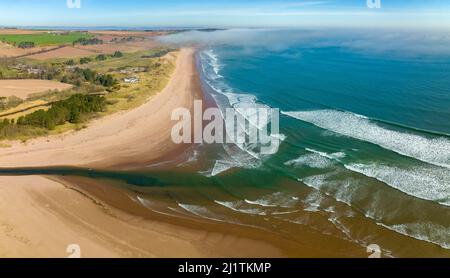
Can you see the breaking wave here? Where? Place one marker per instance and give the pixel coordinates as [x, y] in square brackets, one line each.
[428, 183]
[238, 155]
[434, 150]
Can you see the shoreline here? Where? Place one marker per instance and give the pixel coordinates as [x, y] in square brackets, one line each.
[100, 218]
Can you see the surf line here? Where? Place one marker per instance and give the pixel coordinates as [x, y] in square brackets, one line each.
[240, 126]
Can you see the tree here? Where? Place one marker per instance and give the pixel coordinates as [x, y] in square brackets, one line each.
[70, 62]
[101, 57]
[85, 60]
[117, 54]
[26, 45]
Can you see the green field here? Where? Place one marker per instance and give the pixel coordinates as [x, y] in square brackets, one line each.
[44, 39]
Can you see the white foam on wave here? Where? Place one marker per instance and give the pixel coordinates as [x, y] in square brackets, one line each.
[431, 150]
[278, 199]
[213, 62]
[278, 203]
[343, 191]
[313, 201]
[334, 156]
[429, 232]
[311, 160]
[346, 190]
[347, 232]
[239, 206]
[239, 155]
[221, 166]
[202, 212]
[149, 205]
[428, 183]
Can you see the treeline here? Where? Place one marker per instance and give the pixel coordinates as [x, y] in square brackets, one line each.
[21, 44]
[100, 57]
[127, 39]
[158, 53]
[86, 41]
[103, 57]
[74, 110]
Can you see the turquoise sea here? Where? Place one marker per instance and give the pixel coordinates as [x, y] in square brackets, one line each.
[364, 156]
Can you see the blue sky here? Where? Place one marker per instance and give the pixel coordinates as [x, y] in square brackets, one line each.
[227, 13]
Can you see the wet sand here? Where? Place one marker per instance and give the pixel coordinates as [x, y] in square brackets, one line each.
[41, 218]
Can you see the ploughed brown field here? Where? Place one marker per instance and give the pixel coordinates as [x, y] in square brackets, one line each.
[63, 52]
[7, 50]
[26, 87]
[19, 32]
[143, 41]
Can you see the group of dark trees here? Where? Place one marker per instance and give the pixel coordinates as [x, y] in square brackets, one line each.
[86, 41]
[126, 39]
[103, 57]
[106, 80]
[158, 53]
[70, 62]
[100, 57]
[87, 75]
[26, 45]
[85, 60]
[74, 110]
[117, 54]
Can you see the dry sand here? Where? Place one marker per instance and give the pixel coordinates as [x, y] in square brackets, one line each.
[22, 88]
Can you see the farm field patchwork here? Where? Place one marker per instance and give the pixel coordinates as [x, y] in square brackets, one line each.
[44, 39]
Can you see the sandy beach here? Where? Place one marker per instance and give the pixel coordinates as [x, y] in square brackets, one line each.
[32, 204]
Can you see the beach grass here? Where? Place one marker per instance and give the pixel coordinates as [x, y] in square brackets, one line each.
[151, 82]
